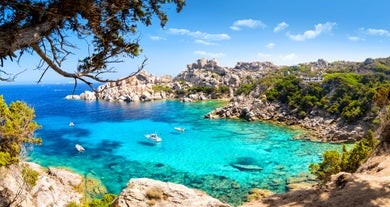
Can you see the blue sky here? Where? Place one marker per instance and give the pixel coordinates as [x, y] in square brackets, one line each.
[285, 32]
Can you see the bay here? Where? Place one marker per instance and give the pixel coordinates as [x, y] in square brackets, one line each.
[208, 155]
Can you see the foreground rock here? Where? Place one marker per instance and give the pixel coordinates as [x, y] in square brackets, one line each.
[54, 187]
[145, 192]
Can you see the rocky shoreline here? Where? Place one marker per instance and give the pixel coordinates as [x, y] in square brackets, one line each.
[207, 80]
[62, 188]
[315, 127]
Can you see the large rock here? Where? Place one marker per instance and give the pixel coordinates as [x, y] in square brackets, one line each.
[143, 192]
[54, 187]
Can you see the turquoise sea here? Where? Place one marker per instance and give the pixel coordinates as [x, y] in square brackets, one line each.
[113, 135]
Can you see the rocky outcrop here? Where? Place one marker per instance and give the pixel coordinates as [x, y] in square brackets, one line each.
[209, 73]
[54, 187]
[320, 127]
[136, 88]
[145, 192]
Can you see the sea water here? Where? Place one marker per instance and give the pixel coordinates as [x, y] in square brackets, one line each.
[204, 156]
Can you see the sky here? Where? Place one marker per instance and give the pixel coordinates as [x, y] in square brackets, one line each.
[285, 32]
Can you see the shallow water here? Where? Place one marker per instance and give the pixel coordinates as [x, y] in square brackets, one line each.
[202, 157]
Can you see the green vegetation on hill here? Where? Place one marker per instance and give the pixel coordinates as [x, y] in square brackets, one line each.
[16, 129]
[348, 95]
[348, 161]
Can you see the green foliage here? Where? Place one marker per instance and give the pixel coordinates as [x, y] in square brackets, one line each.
[382, 95]
[108, 28]
[104, 202]
[223, 89]
[6, 159]
[30, 176]
[353, 94]
[329, 166]
[205, 89]
[348, 161]
[16, 128]
[245, 88]
[72, 204]
[158, 88]
[348, 95]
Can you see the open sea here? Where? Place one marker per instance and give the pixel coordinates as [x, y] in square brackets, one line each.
[205, 156]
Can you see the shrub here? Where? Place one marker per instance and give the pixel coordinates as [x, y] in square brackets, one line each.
[223, 89]
[348, 161]
[30, 176]
[16, 128]
[245, 88]
[104, 202]
[154, 193]
[204, 89]
[72, 204]
[329, 166]
[158, 88]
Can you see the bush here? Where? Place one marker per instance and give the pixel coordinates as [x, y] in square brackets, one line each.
[30, 176]
[223, 89]
[348, 161]
[205, 89]
[329, 166]
[16, 128]
[154, 193]
[245, 88]
[104, 202]
[158, 88]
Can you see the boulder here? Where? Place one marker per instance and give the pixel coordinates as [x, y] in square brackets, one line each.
[88, 96]
[54, 187]
[144, 192]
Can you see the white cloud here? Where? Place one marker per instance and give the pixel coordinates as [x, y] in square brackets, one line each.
[311, 34]
[281, 26]
[270, 45]
[355, 38]
[156, 38]
[378, 32]
[179, 31]
[289, 57]
[199, 35]
[249, 23]
[209, 54]
[203, 42]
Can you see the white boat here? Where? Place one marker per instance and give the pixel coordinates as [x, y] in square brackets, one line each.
[180, 129]
[71, 124]
[153, 137]
[79, 148]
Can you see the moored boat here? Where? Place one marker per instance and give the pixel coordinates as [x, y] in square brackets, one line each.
[79, 148]
[180, 129]
[153, 137]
